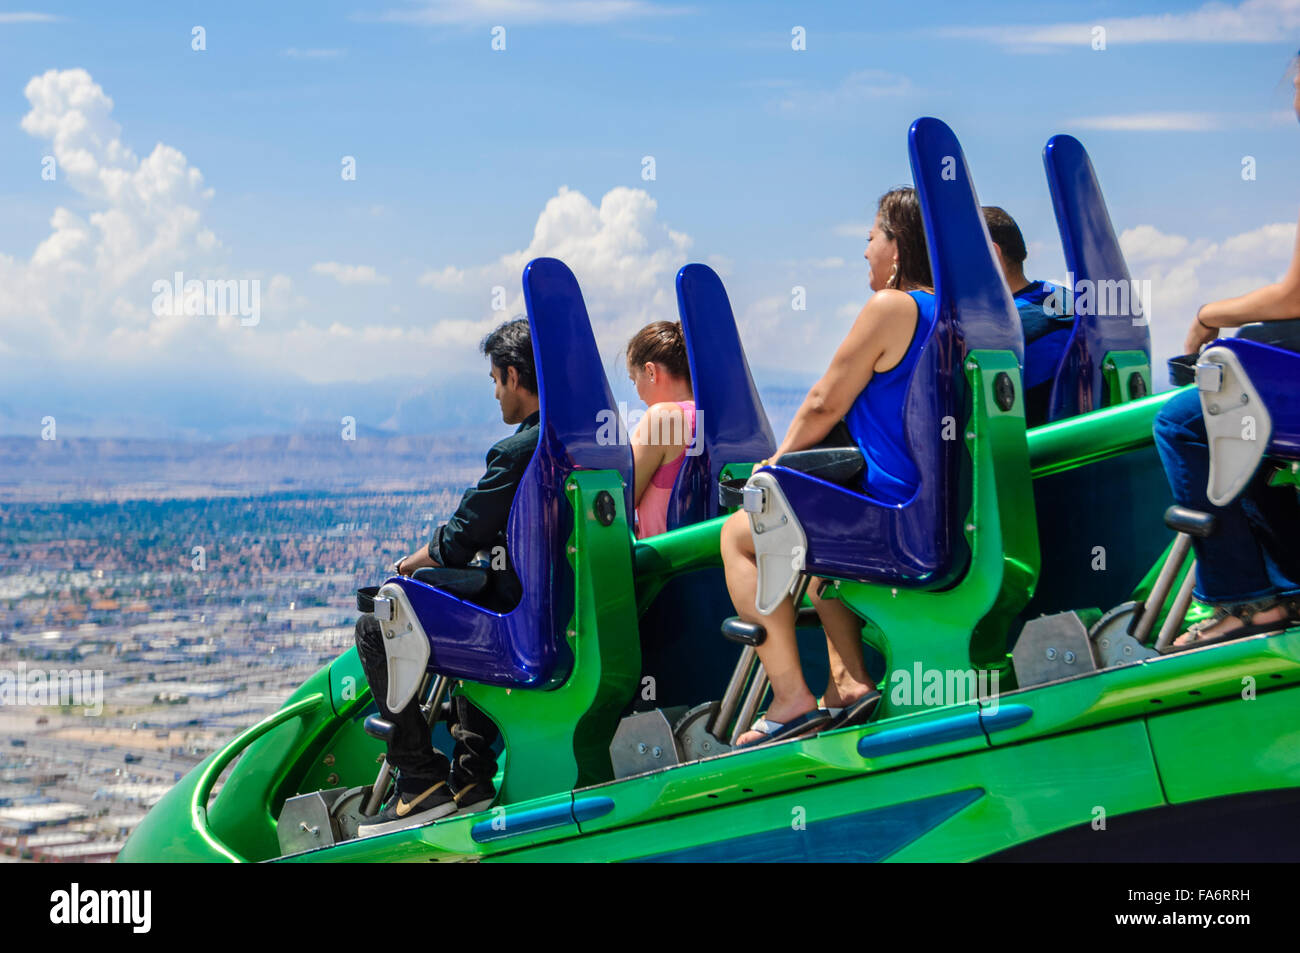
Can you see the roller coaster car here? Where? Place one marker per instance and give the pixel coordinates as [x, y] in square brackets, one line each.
[946, 583]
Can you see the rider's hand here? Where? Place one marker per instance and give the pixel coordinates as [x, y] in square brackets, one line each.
[1198, 335]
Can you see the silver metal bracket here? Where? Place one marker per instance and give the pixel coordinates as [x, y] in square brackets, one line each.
[753, 499]
[1237, 424]
[780, 544]
[406, 646]
[1209, 377]
[383, 610]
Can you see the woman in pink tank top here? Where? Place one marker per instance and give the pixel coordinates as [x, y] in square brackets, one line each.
[657, 365]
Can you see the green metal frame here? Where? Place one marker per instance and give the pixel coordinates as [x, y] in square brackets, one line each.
[1118, 368]
[559, 739]
[965, 625]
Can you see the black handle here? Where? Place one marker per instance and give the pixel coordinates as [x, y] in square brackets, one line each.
[1192, 522]
[746, 633]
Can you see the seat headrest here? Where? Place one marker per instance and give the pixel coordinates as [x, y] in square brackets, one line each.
[731, 425]
[969, 289]
[1092, 257]
[575, 396]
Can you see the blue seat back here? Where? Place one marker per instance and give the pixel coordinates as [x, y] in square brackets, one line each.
[526, 646]
[731, 425]
[922, 543]
[1092, 255]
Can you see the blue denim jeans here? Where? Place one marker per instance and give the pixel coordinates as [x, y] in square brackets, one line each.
[1255, 550]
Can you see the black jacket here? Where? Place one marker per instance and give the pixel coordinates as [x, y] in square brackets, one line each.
[479, 523]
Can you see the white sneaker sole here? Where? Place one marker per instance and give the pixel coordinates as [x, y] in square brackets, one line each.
[477, 806]
[402, 823]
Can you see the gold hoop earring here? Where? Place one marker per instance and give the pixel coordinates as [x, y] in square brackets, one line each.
[893, 277]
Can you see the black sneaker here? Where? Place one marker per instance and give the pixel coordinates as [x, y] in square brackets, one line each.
[411, 810]
[475, 797]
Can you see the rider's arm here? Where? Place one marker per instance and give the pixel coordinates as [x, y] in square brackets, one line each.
[484, 509]
[1275, 302]
[884, 326]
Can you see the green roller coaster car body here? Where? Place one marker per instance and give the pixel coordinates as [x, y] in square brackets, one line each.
[959, 781]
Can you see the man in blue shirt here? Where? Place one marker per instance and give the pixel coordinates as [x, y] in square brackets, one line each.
[1046, 314]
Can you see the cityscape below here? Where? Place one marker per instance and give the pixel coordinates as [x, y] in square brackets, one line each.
[186, 589]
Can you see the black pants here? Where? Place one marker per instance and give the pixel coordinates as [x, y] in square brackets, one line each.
[410, 750]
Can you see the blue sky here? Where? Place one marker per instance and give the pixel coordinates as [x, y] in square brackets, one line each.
[767, 164]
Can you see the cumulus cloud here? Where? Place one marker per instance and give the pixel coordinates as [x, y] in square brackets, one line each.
[86, 298]
[1148, 243]
[447, 279]
[1186, 273]
[349, 274]
[623, 256]
[86, 290]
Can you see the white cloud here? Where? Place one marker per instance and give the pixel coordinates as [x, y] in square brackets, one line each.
[83, 300]
[509, 12]
[1184, 121]
[853, 230]
[297, 54]
[857, 88]
[1186, 273]
[1153, 122]
[350, 274]
[86, 290]
[1148, 243]
[448, 279]
[624, 257]
[1253, 21]
[28, 18]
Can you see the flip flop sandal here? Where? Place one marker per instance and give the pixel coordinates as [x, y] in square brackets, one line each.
[859, 713]
[1245, 611]
[775, 731]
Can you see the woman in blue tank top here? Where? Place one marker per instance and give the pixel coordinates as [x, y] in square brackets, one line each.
[865, 387]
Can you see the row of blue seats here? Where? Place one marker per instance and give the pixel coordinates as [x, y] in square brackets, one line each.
[920, 545]
[734, 427]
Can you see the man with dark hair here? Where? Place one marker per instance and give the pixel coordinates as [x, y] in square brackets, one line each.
[428, 787]
[1044, 309]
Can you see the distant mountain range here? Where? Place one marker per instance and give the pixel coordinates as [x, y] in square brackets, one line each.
[398, 438]
[233, 408]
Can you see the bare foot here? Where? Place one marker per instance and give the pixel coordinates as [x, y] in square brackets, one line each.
[782, 711]
[844, 695]
[1230, 624]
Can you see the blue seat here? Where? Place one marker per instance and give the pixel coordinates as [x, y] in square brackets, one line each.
[526, 647]
[1092, 255]
[963, 553]
[730, 422]
[922, 543]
